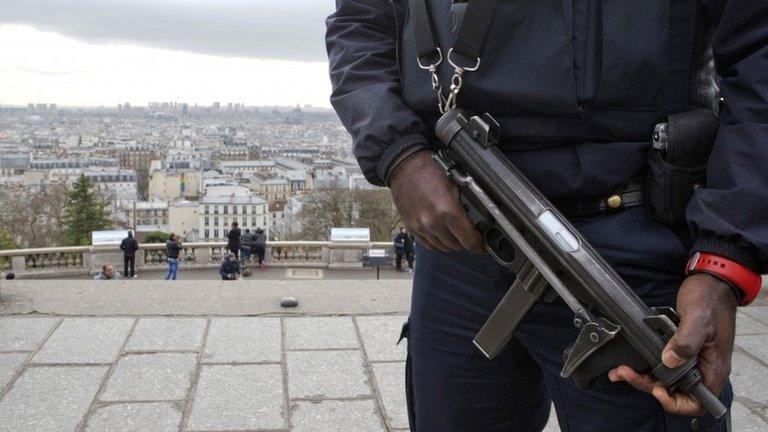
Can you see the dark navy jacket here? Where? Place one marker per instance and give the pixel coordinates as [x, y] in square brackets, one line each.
[577, 86]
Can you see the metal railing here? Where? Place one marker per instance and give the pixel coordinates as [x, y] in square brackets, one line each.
[67, 261]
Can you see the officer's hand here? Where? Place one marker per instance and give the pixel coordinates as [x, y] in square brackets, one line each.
[707, 309]
[429, 203]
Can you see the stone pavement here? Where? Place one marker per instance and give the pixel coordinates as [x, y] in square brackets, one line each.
[161, 374]
[72, 362]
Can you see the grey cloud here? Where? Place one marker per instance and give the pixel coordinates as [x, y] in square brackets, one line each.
[275, 29]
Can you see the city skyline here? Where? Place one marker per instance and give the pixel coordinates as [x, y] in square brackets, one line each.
[85, 53]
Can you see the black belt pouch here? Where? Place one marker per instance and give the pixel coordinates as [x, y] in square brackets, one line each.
[677, 164]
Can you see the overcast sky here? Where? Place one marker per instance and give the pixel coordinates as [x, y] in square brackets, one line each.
[101, 52]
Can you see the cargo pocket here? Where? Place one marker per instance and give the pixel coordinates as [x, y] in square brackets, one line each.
[669, 188]
[633, 53]
[409, 401]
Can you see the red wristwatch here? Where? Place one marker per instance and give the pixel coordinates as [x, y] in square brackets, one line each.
[744, 279]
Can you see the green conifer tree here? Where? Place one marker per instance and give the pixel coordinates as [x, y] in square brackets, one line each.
[86, 212]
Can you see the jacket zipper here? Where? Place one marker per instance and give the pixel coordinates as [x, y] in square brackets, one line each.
[598, 60]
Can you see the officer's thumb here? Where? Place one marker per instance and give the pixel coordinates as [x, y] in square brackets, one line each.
[685, 344]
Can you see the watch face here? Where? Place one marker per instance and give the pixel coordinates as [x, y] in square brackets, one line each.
[693, 261]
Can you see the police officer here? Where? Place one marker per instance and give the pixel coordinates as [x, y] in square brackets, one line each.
[577, 87]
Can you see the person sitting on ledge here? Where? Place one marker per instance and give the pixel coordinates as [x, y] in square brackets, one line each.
[230, 267]
[108, 273]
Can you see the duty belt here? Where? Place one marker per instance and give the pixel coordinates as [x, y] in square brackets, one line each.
[627, 196]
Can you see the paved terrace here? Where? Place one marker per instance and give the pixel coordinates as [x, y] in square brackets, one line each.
[208, 356]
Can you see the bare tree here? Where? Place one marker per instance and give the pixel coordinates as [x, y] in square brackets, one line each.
[360, 208]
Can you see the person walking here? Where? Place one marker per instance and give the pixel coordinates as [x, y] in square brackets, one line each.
[230, 268]
[233, 236]
[245, 247]
[410, 249]
[400, 239]
[578, 92]
[129, 246]
[172, 250]
[260, 245]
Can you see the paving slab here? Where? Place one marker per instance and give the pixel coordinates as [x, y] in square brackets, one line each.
[745, 325]
[85, 340]
[326, 374]
[746, 421]
[24, 334]
[320, 333]
[749, 378]
[336, 416]
[9, 365]
[390, 379]
[243, 340]
[242, 397]
[50, 399]
[151, 377]
[552, 425]
[380, 335]
[759, 313]
[136, 417]
[757, 345]
[167, 334]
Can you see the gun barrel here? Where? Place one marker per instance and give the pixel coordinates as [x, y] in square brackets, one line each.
[558, 250]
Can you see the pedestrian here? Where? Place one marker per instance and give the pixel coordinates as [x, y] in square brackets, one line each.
[233, 242]
[230, 267]
[172, 250]
[245, 247]
[129, 246]
[399, 249]
[260, 245]
[108, 272]
[410, 250]
[578, 93]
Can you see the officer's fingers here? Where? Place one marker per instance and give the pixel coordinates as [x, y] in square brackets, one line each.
[468, 235]
[422, 239]
[435, 241]
[446, 238]
[640, 382]
[677, 403]
[687, 342]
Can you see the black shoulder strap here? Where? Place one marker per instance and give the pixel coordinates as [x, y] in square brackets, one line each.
[470, 38]
[423, 32]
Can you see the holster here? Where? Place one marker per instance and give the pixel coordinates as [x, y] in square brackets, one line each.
[677, 164]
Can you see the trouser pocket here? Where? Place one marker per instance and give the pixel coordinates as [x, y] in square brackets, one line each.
[669, 188]
[409, 399]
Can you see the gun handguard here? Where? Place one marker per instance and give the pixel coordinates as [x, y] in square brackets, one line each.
[524, 232]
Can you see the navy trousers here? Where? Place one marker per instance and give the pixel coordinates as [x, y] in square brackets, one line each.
[452, 387]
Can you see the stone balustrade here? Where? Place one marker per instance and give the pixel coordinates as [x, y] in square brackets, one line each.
[72, 261]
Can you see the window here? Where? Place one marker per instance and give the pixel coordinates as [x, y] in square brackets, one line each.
[234, 219]
[207, 210]
[216, 233]
[253, 222]
[207, 234]
[226, 233]
[216, 220]
[226, 221]
[216, 209]
[207, 220]
[245, 209]
[234, 209]
[226, 209]
[165, 221]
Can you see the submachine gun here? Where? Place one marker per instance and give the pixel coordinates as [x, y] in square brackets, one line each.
[527, 234]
